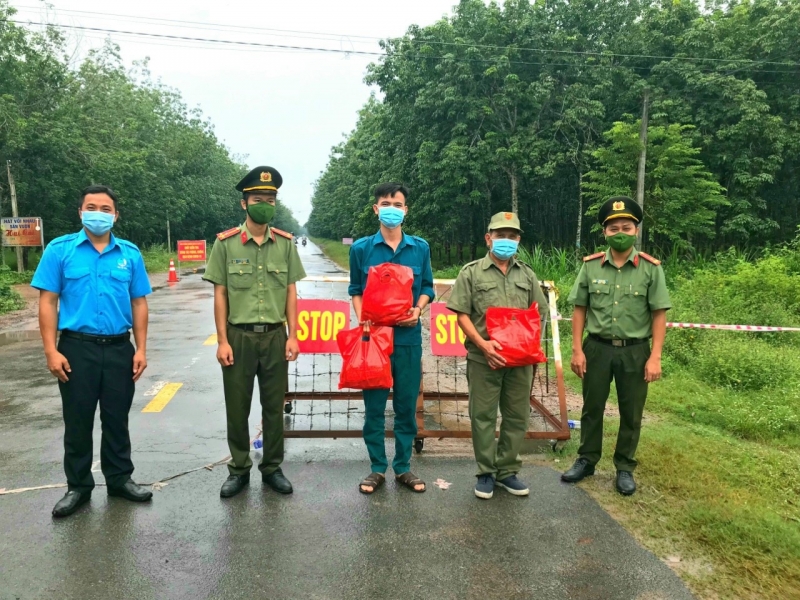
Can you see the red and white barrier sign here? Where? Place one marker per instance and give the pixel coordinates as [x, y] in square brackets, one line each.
[318, 324]
[753, 328]
[192, 251]
[447, 339]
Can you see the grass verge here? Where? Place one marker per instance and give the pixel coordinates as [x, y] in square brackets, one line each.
[335, 250]
[721, 510]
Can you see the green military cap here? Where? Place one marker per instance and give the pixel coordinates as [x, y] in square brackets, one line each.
[619, 207]
[260, 178]
[505, 220]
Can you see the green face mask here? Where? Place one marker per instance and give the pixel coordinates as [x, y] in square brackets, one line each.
[261, 213]
[621, 241]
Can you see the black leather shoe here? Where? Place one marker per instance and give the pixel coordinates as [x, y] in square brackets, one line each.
[625, 484]
[278, 482]
[71, 502]
[131, 491]
[234, 484]
[578, 471]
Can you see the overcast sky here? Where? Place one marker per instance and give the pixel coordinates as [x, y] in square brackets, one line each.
[283, 108]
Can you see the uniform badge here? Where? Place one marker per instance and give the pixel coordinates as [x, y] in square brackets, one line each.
[240, 261]
[122, 263]
[266, 177]
[508, 216]
[619, 205]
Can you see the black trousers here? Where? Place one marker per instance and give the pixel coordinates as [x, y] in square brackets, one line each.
[104, 374]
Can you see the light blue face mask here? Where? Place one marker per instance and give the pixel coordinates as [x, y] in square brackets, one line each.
[98, 223]
[504, 249]
[390, 216]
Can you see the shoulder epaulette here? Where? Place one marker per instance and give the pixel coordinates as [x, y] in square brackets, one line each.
[593, 256]
[127, 243]
[469, 264]
[419, 239]
[229, 233]
[649, 258]
[281, 233]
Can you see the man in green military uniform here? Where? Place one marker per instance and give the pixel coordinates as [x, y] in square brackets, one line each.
[621, 298]
[254, 269]
[496, 280]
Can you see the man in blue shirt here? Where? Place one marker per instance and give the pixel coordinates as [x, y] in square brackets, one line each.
[391, 245]
[92, 288]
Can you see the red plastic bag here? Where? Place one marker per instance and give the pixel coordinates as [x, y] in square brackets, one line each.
[365, 358]
[387, 296]
[519, 332]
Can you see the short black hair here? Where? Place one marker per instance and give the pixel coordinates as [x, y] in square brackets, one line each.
[98, 189]
[390, 189]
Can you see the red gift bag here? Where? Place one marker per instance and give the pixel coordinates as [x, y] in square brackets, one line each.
[365, 358]
[519, 332]
[387, 296]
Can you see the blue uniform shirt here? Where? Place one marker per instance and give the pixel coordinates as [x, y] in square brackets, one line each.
[95, 290]
[412, 252]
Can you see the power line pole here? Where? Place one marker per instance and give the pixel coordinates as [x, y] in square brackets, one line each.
[642, 160]
[14, 211]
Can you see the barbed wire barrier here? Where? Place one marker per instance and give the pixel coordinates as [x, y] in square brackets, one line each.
[316, 408]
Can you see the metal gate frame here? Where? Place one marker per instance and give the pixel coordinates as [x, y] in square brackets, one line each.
[559, 422]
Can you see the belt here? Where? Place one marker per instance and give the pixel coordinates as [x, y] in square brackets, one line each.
[97, 339]
[618, 343]
[258, 327]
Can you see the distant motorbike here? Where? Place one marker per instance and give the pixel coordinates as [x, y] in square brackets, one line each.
[305, 241]
[295, 241]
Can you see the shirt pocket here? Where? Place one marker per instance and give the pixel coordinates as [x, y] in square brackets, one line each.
[121, 283]
[486, 295]
[76, 281]
[520, 294]
[240, 277]
[277, 275]
[600, 295]
[634, 297]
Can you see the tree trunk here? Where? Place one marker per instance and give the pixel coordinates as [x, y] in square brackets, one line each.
[473, 250]
[580, 209]
[447, 252]
[460, 252]
[514, 195]
[642, 162]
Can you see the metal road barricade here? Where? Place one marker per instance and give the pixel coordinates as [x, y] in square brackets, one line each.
[316, 408]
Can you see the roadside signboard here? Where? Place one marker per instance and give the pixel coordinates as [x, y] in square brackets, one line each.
[347, 241]
[21, 231]
[192, 251]
[319, 323]
[447, 339]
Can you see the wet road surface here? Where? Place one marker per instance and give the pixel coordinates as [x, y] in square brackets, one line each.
[326, 541]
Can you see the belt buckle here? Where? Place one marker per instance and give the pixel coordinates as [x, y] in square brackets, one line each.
[259, 328]
[618, 343]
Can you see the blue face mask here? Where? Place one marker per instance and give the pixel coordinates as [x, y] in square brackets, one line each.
[504, 249]
[390, 216]
[98, 223]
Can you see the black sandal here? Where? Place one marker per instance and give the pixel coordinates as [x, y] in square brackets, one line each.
[373, 480]
[410, 480]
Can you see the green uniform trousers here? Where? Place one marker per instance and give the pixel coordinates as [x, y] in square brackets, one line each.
[510, 389]
[625, 365]
[407, 374]
[261, 355]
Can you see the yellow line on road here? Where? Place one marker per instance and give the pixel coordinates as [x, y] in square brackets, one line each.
[163, 397]
[212, 339]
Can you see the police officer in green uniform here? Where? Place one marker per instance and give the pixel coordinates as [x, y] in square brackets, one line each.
[496, 280]
[254, 269]
[621, 298]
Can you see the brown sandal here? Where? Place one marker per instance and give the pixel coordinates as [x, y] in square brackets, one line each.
[410, 480]
[373, 480]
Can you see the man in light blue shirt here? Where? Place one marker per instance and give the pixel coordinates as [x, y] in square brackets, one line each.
[391, 245]
[92, 288]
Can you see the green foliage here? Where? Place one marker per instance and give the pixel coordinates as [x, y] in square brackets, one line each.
[64, 128]
[9, 299]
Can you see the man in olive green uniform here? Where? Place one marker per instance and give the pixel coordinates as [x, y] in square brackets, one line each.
[254, 269]
[496, 280]
[621, 298]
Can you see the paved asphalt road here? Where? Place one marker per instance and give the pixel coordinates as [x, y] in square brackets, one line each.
[326, 541]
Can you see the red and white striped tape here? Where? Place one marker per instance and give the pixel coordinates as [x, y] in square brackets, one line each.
[755, 328]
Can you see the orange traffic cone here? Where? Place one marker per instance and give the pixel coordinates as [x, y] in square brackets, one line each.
[173, 274]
